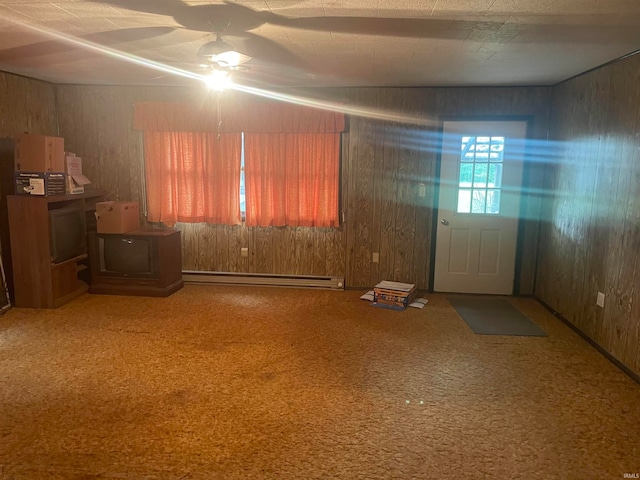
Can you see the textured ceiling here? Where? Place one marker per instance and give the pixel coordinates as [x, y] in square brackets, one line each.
[319, 42]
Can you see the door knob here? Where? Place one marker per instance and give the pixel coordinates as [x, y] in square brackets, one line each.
[444, 222]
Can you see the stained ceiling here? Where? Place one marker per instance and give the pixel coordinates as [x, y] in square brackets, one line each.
[318, 42]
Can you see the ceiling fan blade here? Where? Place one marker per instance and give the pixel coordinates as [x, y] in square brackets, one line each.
[397, 27]
[226, 18]
[233, 19]
[456, 29]
[107, 38]
[159, 7]
[267, 51]
[270, 77]
[123, 35]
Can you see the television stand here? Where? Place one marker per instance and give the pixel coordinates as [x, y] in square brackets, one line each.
[160, 274]
[40, 281]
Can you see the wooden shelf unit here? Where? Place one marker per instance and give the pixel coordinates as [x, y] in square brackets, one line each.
[38, 282]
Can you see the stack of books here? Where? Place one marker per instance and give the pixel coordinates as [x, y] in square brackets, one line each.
[394, 294]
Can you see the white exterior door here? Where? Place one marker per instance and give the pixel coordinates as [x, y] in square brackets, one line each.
[479, 204]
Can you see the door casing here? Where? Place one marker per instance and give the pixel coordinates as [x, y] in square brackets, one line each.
[527, 124]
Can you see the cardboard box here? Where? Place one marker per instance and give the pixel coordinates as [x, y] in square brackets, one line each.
[75, 179]
[39, 183]
[39, 153]
[117, 217]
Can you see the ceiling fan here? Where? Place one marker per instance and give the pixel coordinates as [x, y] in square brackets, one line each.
[238, 20]
[256, 58]
[268, 58]
[242, 49]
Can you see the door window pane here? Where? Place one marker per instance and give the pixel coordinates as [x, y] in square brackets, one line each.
[480, 175]
[464, 200]
[468, 149]
[493, 202]
[478, 203]
[466, 175]
[480, 180]
[495, 175]
[497, 149]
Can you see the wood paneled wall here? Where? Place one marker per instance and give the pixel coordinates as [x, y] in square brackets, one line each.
[26, 105]
[591, 241]
[384, 161]
[388, 160]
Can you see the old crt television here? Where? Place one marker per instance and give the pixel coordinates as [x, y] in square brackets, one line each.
[142, 262]
[127, 256]
[67, 234]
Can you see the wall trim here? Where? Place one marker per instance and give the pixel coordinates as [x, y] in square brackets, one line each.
[528, 119]
[598, 67]
[634, 376]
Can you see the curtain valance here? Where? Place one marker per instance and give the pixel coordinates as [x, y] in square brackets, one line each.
[248, 117]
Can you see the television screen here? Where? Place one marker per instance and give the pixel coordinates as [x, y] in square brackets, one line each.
[67, 233]
[122, 255]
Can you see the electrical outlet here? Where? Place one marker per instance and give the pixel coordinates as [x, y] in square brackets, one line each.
[422, 190]
[376, 257]
[600, 300]
[244, 252]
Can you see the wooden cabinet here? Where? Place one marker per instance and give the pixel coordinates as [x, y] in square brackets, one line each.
[146, 262]
[7, 146]
[43, 276]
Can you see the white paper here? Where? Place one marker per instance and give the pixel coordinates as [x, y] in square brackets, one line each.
[401, 287]
[368, 296]
[80, 179]
[418, 303]
[74, 169]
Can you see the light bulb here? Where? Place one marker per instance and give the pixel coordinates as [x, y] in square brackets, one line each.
[218, 80]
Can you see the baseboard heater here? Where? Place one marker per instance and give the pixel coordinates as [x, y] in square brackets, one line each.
[262, 279]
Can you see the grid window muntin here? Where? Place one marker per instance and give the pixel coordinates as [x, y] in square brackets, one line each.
[480, 174]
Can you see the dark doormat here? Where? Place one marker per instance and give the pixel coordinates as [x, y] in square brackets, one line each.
[491, 316]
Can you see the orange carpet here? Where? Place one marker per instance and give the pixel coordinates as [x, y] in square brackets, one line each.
[258, 383]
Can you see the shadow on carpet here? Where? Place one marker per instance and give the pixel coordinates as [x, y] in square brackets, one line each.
[491, 316]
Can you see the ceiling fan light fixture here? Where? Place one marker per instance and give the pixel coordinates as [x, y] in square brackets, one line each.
[222, 53]
[231, 58]
[218, 80]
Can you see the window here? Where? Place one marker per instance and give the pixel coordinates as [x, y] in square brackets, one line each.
[292, 179]
[480, 177]
[264, 179]
[192, 177]
[277, 162]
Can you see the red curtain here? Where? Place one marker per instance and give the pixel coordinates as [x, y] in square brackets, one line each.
[193, 177]
[292, 179]
[292, 155]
